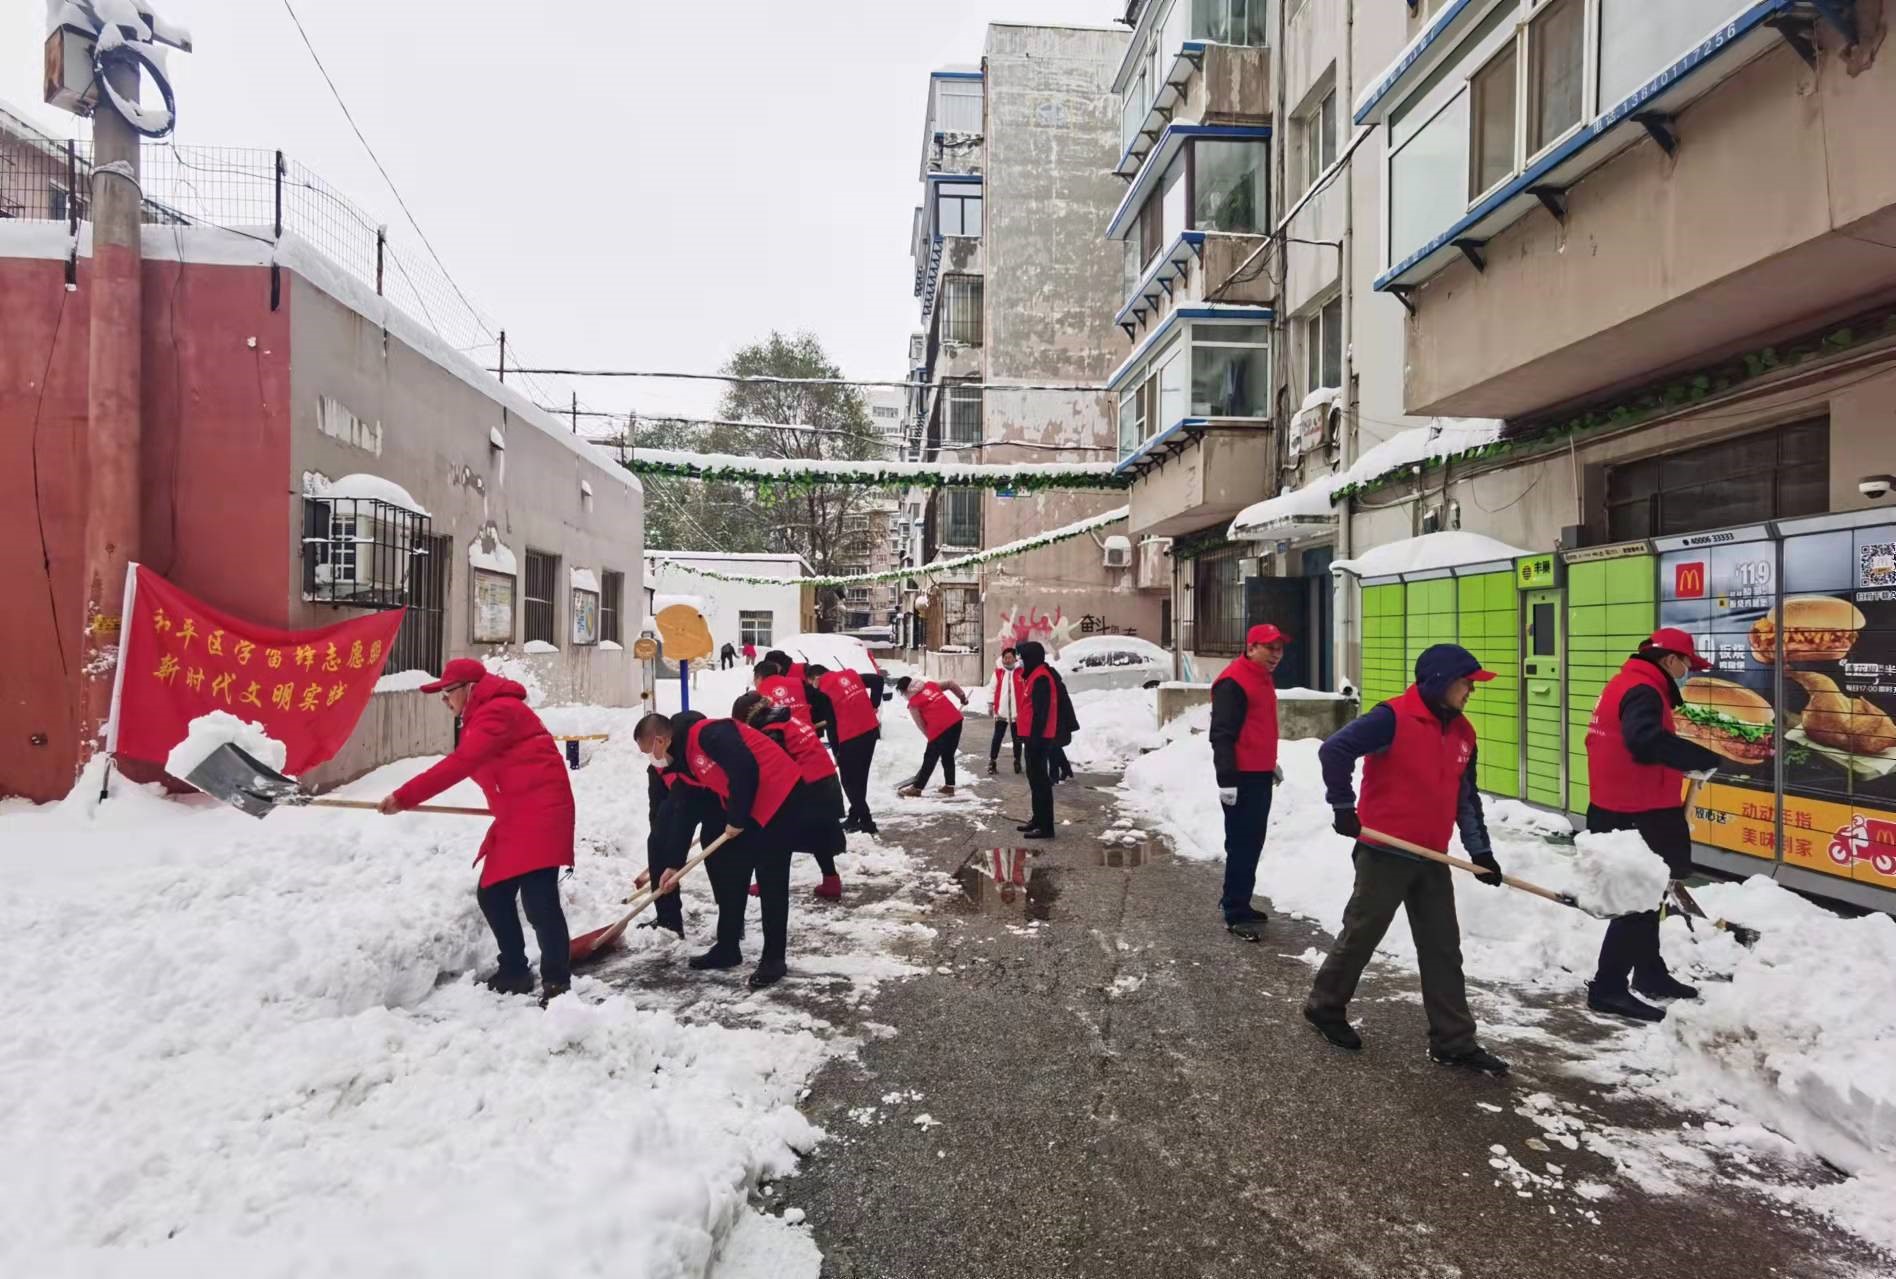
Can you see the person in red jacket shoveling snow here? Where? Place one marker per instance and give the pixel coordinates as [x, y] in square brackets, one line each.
[1244, 752]
[1636, 766]
[513, 759]
[818, 805]
[1418, 754]
[940, 722]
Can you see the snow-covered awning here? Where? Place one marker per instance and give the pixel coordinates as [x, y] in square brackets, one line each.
[1429, 553]
[365, 488]
[1307, 511]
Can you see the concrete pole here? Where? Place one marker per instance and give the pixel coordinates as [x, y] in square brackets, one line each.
[114, 428]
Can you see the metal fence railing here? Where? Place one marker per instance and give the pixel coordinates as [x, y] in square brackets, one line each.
[264, 194]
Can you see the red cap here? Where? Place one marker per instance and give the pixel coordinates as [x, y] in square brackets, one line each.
[1672, 640]
[1264, 633]
[462, 670]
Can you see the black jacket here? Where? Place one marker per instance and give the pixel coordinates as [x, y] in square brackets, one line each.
[1229, 706]
[1642, 725]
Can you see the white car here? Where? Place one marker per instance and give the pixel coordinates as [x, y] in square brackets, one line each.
[1112, 661]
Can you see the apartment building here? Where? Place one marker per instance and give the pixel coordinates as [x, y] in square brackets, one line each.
[1656, 246]
[1014, 288]
[1196, 405]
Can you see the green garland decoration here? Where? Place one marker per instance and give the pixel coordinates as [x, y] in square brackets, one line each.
[794, 473]
[1661, 401]
[1065, 533]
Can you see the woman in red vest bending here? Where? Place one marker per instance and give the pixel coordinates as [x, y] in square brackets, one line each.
[1244, 751]
[819, 799]
[849, 706]
[1418, 754]
[1636, 767]
[755, 783]
[940, 722]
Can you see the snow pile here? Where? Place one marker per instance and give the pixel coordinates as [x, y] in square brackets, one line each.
[220, 728]
[1512, 812]
[490, 554]
[403, 681]
[520, 671]
[1618, 875]
[539, 648]
[1429, 551]
[365, 488]
[1115, 727]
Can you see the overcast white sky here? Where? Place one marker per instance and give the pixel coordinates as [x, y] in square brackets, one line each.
[626, 185]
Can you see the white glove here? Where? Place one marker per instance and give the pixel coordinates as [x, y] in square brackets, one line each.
[1277, 775]
[1227, 795]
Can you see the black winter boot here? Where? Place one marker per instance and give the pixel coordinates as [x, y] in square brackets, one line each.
[1664, 986]
[506, 983]
[1335, 1029]
[1477, 1059]
[1621, 1003]
[717, 957]
[767, 973]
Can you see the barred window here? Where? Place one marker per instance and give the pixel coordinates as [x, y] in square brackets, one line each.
[961, 309]
[542, 572]
[1218, 601]
[961, 518]
[964, 414]
[611, 601]
[418, 645]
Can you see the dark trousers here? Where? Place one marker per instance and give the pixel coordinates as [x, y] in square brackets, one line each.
[724, 662]
[1631, 945]
[1001, 728]
[942, 748]
[538, 892]
[1384, 883]
[1245, 824]
[814, 817]
[759, 853]
[1060, 770]
[853, 759]
[1040, 783]
[669, 846]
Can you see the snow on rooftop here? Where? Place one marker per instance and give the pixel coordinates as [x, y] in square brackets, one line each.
[1416, 445]
[1429, 551]
[366, 488]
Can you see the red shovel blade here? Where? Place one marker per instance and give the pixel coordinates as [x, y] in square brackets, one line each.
[592, 945]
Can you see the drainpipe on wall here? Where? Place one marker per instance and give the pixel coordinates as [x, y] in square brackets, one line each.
[114, 429]
[1343, 596]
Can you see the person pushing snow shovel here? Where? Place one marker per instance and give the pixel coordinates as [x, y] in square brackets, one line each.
[513, 759]
[1636, 765]
[1418, 754]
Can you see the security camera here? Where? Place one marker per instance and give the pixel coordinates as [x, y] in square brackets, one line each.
[1876, 487]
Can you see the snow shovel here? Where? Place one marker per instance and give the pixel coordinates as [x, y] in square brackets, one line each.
[588, 946]
[1688, 905]
[232, 774]
[1565, 899]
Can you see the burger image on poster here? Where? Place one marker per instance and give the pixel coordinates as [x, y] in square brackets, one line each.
[1728, 719]
[1817, 628]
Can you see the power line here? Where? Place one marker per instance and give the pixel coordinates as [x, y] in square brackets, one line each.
[406, 212]
[769, 380]
[872, 436]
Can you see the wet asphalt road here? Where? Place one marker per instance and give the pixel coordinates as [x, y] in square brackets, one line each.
[1121, 1088]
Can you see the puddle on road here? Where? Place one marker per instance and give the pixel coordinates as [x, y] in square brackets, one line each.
[1001, 881]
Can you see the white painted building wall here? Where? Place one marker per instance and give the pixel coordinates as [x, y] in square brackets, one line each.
[725, 603]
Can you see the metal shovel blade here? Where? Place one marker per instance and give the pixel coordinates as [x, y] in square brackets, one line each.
[238, 778]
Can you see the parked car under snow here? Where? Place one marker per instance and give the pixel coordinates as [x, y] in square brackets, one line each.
[1113, 661]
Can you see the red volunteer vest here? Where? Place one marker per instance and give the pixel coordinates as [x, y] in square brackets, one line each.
[1050, 729]
[855, 712]
[1020, 692]
[781, 690]
[1257, 740]
[776, 771]
[935, 709]
[804, 747]
[1413, 788]
[796, 671]
[1619, 782]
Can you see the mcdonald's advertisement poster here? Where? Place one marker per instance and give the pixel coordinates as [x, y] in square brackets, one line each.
[1802, 635]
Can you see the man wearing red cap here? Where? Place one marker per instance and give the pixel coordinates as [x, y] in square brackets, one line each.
[1244, 751]
[513, 759]
[1418, 754]
[1636, 766]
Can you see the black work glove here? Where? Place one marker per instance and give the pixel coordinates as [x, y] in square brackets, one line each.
[1488, 864]
[1346, 823]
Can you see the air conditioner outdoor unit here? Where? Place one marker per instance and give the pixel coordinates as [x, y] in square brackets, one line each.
[1118, 552]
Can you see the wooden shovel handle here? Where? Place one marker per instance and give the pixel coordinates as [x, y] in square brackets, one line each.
[419, 808]
[1391, 841]
[640, 900]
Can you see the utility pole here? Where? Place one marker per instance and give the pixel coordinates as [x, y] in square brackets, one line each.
[114, 429]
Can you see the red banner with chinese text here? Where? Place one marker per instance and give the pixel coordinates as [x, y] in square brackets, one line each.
[179, 658]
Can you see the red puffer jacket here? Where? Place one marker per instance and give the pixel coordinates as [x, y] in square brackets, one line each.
[518, 766]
